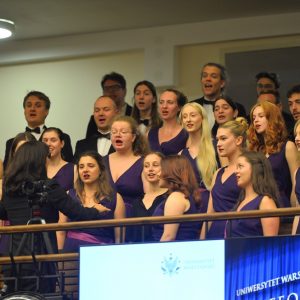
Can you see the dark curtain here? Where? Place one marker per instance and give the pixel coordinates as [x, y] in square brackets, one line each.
[256, 260]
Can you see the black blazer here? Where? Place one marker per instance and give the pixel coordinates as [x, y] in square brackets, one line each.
[88, 144]
[67, 151]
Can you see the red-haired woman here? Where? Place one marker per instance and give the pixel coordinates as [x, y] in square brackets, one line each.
[268, 134]
[183, 198]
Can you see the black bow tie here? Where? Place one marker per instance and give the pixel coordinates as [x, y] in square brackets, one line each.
[103, 135]
[208, 102]
[145, 122]
[35, 130]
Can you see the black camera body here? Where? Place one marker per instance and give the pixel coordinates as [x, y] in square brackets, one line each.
[36, 192]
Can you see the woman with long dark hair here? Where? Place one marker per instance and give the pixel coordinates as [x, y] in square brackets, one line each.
[91, 187]
[258, 192]
[145, 106]
[28, 167]
[57, 168]
[170, 138]
[183, 198]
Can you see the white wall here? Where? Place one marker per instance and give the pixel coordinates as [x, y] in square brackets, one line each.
[72, 86]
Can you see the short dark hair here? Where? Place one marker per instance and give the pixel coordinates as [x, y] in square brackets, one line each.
[115, 77]
[39, 95]
[272, 76]
[276, 94]
[229, 101]
[223, 71]
[293, 90]
[58, 131]
[180, 97]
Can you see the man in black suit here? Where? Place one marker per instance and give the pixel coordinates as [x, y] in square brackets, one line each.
[113, 86]
[36, 108]
[105, 110]
[213, 83]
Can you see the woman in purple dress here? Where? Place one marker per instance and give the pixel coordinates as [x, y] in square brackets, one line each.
[144, 110]
[183, 198]
[258, 192]
[154, 195]
[91, 187]
[170, 138]
[126, 164]
[199, 148]
[58, 169]
[231, 139]
[268, 134]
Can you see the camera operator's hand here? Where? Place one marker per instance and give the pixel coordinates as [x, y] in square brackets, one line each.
[101, 208]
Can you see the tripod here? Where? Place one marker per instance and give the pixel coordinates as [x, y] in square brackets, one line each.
[36, 276]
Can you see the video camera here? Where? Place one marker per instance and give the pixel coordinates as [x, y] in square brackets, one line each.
[37, 192]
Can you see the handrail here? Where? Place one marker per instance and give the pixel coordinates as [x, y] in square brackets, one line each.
[279, 212]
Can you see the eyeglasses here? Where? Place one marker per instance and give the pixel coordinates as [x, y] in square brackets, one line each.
[120, 132]
[112, 88]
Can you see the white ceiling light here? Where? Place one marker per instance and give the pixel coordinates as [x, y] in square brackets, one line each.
[7, 28]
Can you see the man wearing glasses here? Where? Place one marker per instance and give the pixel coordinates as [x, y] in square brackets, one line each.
[113, 86]
[266, 82]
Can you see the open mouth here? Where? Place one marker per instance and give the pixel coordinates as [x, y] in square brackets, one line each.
[86, 176]
[118, 142]
[208, 86]
[101, 120]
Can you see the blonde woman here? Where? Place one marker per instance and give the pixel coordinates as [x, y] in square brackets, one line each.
[199, 148]
[231, 140]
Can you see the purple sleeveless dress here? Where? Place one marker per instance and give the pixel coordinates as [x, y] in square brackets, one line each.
[91, 236]
[129, 185]
[224, 196]
[65, 176]
[186, 231]
[203, 190]
[246, 227]
[282, 176]
[172, 146]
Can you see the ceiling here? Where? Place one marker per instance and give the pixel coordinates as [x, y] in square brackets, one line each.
[49, 18]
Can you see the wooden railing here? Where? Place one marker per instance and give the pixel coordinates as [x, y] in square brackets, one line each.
[281, 212]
